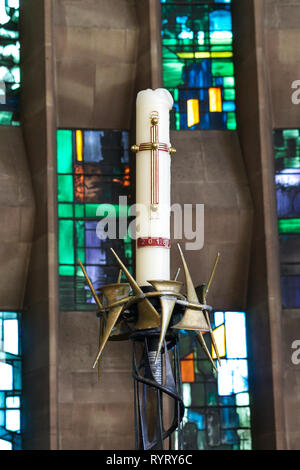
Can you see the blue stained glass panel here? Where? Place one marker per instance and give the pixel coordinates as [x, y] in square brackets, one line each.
[288, 194]
[235, 331]
[228, 106]
[290, 291]
[10, 381]
[197, 418]
[12, 402]
[92, 146]
[229, 418]
[232, 376]
[217, 405]
[6, 376]
[11, 336]
[5, 445]
[220, 20]
[218, 318]
[94, 176]
[10, 62]
[287, 180]
[197, 54]
[13, 420]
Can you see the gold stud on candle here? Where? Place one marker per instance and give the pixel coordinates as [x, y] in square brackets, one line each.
[172, 150]
[154, 121]
[154, 146]
[135, 148]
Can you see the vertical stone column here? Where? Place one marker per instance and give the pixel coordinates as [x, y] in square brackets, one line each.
[254, 113]
[40, 305]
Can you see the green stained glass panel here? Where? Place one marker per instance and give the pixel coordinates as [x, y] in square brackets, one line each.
[79, 210]
[290, 133]
[228, 82]
[80, 234]
[198, 395]
[221, 48]
[244, 416]
[196, 55]
[64, 151]
[242, 399]
[289, 226]
[221, 40]
[186, 394]
[81, 255]
[211, 394]
[66, 270]
[65, 188]
[231, 121]
[10, 59]
[78, 221]
[292, 163]
[172, 73]
[66, 243]
[65, 210]
[6, 118]
[201, 440]
[221, 68]
[229, 94]
[245, 439]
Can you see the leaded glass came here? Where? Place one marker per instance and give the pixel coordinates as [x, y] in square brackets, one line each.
[10, 381]
[9, 62]
[92, 173]
[217, 406]
[197, 58]
[287, 180]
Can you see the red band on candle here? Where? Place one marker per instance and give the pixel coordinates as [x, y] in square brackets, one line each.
[153, 241]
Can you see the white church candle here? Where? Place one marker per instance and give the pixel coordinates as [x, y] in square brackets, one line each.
[153, 185]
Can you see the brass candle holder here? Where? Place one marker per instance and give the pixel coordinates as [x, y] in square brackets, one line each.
[147, 315]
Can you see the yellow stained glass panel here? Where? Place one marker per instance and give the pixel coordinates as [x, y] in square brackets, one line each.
[79, 145]
[215, 100]
[219, 334]
[192, 112]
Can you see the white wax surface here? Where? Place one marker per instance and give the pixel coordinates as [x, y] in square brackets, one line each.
[153, 263]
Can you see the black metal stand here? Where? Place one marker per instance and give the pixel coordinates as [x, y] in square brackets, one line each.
[152, 382]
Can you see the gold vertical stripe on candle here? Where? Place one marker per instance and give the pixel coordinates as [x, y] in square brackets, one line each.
[154, 166]
[79, 146]
[215, 100]
[192, 112]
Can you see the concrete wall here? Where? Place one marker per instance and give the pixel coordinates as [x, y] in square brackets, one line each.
[17, 217]
[39, 316]
[95, 56]
[282, 37]
[94, 413]
[208, 169]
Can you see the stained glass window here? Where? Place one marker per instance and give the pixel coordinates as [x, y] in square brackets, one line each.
[10, 381]
[92, 172]
[197, 58]
[217, 406]
[10, 62]
[287, 179]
